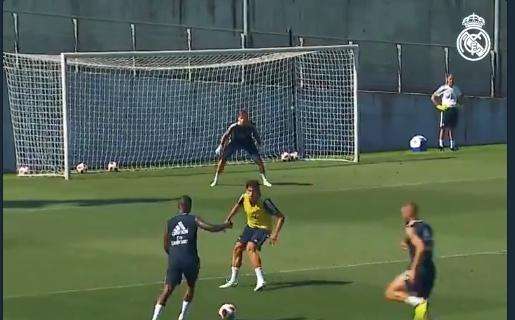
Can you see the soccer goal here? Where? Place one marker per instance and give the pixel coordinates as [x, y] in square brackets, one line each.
[170, 108]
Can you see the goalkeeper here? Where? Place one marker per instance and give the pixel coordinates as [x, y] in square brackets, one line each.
[446, 99]
[240, 135]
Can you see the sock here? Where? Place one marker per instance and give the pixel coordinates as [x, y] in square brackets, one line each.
[259, 275]
[185, 308]
[234, 274]
[262, 175]
[452, 143]
[216, 177]
[440, 143]
[414, 301]
[157, 311]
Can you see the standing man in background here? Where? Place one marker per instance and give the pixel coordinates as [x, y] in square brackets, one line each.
[446, 99]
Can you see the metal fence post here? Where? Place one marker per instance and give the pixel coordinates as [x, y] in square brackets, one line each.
[399, 67]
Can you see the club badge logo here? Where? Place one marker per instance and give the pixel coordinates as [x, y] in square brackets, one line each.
[473, 42]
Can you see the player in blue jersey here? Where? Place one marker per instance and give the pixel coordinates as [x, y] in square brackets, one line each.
[414, 286]
[241, 135]
[180, 244]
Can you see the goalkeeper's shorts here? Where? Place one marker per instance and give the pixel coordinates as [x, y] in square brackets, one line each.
[449, 118]
[232, 147]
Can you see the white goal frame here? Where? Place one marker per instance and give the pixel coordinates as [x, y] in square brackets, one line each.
[64, 66]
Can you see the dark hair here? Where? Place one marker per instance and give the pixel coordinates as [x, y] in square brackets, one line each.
[185, 202]
[252, 183]
[242, 112]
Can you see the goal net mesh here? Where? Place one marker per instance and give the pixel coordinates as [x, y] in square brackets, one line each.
[170, 110]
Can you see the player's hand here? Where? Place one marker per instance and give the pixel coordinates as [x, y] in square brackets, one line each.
[274, 238]
[218, 150]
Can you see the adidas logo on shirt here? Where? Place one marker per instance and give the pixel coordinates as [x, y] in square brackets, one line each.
[179, 229]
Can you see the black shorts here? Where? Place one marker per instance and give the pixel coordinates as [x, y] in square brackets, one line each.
[424, 281]
[176, 271]
[449, 118]
[256, 235]
[232, 147]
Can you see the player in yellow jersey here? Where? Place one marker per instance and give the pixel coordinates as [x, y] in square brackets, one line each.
[259, 228]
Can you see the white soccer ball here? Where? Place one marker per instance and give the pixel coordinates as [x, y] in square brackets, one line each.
[81, 168]
[227, 311]
[23, 170]
[112, 166]
[418, 143]
[285, 156]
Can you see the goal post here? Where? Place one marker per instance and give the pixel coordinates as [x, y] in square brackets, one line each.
[153, 109]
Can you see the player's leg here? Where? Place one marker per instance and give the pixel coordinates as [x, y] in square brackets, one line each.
[161, 301]
[191, 275]
[442, 131]
[453, 119]
[173, 278]
[237, 254]
[400, 290]
[226, 153]
[253, 247]
[254, 153]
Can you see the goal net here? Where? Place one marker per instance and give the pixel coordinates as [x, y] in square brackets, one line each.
[169, 109]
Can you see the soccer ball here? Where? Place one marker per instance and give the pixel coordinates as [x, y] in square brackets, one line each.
[112, 166]
[227, 311]
[81, 168]
[23, 170]
[287, 156]
[418, 143]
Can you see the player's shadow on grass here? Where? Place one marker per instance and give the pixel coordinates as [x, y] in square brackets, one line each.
[287, 318]
[28, 204]
[273, 184]
[305, 283]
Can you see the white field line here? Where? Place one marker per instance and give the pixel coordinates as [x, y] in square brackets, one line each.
[345, 266]
[355, 188]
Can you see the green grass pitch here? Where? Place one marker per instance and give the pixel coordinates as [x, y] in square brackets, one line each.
[91, 248]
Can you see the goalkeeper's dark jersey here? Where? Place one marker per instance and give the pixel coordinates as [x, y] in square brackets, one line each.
[243, 134]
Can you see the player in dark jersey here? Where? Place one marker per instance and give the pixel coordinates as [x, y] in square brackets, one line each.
[414, 286]
[180, 244]
[240, 135]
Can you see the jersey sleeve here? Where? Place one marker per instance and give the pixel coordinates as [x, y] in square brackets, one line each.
[229, 130]
[270, 207]
[439, 91]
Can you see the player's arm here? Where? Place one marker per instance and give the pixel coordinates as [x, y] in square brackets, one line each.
[280, 218]
[166, 244]
[420, 247]
[278, 226]
[256, 135]
[212, 227]
[404, 243]
[227, 134]
[234, 210]
[436, 96]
